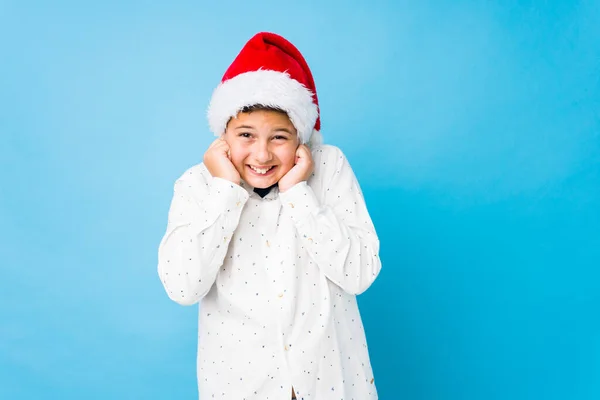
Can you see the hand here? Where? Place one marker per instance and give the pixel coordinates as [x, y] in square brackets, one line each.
[300, 172]
[218, 161]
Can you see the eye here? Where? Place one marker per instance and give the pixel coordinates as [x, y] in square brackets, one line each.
[245, 135]
[280, 137]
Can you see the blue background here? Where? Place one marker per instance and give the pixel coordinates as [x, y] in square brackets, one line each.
[474, 128]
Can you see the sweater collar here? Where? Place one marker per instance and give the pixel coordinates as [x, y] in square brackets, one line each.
[269, 193]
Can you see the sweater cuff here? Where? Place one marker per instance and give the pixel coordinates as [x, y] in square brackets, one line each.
[299, 201]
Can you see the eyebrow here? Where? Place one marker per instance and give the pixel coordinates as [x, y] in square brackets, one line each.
[283, 130]
[279, 129]
[244, 127]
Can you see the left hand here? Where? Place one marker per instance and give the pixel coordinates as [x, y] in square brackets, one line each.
[300, 172]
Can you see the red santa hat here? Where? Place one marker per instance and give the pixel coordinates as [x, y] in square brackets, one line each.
[269, 71]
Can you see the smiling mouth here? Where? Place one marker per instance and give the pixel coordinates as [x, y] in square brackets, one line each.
[261, 171]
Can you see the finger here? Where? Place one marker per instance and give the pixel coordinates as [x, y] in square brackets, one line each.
[303, 152]
[220, 145]
[215, 143]
[224, 150]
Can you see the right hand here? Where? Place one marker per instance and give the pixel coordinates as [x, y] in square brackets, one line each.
[218, 161]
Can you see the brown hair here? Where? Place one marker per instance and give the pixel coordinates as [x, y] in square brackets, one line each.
[261, 107]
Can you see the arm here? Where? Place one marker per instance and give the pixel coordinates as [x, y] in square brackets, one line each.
[338, 232]
[202, 218]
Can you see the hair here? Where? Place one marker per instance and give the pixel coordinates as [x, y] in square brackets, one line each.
[258, 107]
[261, 107]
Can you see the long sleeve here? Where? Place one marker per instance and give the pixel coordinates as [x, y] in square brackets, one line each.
[203, 216]
[337, 231]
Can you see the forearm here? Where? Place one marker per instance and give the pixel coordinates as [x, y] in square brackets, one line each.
[345, 249]
[197, 238]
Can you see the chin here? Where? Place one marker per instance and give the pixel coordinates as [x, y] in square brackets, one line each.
[262, 186]
[260, 183]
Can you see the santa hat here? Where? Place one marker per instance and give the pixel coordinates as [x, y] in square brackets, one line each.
[269, 71]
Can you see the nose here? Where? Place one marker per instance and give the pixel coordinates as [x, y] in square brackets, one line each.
[263, 153]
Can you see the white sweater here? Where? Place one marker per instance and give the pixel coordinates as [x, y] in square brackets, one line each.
[277, 278]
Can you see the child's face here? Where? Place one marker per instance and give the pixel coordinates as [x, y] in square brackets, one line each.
[262, 146]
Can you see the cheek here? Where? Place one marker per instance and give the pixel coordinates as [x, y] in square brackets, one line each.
[288, 159]
[236, 149]
[237, 155]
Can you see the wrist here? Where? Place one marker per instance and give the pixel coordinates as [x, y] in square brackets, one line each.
[233, 179]
[287, 186]
[236, 181]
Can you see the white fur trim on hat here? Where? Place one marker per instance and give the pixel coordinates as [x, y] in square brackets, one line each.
[267, 88]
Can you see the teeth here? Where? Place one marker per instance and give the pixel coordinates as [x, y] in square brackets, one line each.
[260, 170]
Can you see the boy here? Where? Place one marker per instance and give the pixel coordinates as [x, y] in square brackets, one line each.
[272, 234]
